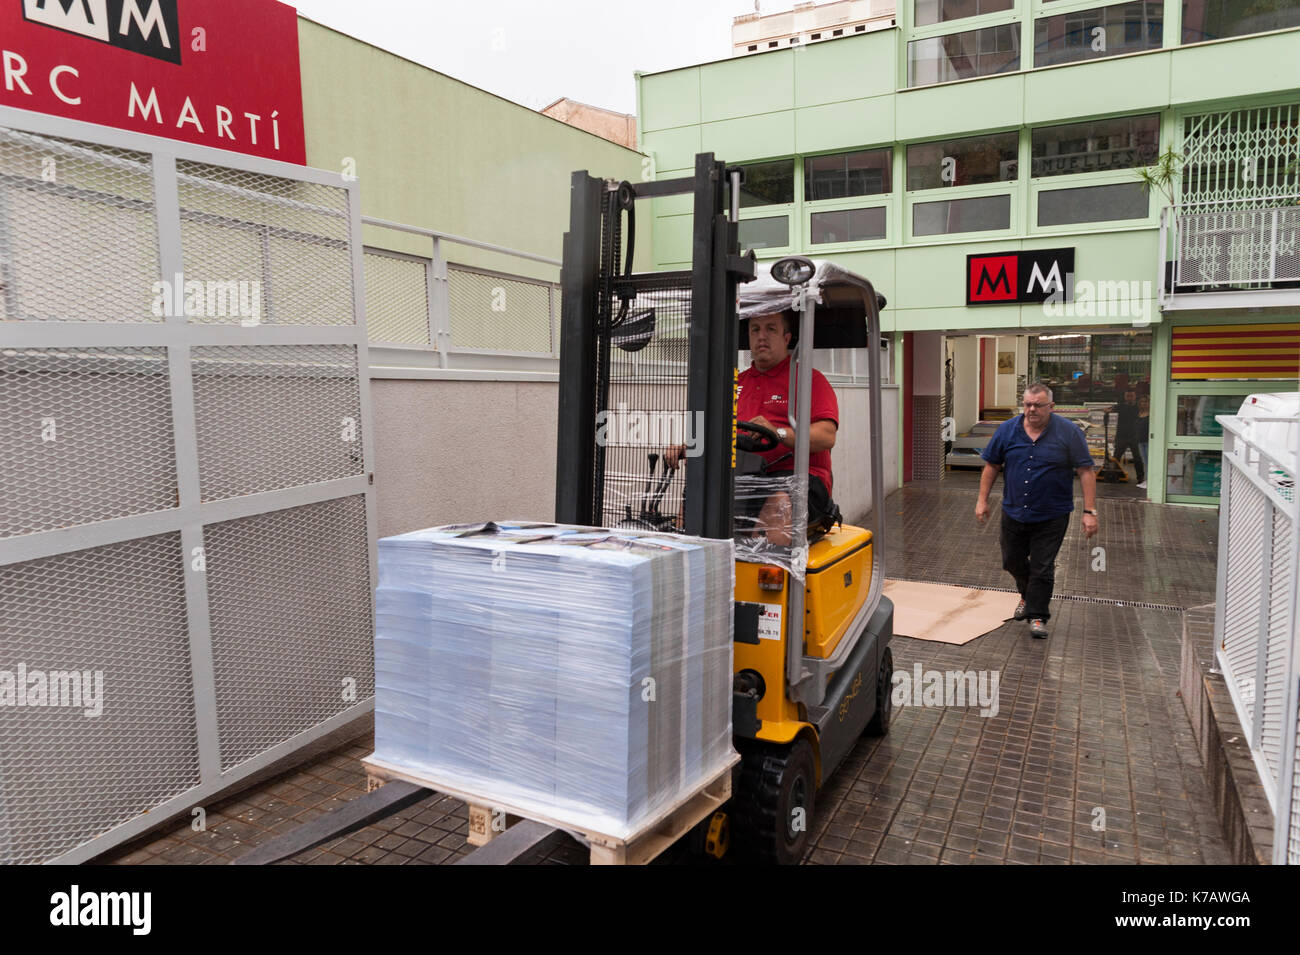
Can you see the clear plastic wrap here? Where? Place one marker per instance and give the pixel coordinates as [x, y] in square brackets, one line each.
[763, 521]
[579, 674]
[765, 295]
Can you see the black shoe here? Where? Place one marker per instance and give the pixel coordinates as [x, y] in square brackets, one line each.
[1021, 613]
[1038, 628]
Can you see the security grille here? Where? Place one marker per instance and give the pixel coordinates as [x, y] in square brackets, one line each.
[1241, 154]
[185, 502]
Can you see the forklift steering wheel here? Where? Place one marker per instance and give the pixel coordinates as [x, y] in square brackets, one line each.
[757, 439]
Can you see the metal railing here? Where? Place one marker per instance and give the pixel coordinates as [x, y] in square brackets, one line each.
[1255, 612]
[426, 310]
[1231, 245]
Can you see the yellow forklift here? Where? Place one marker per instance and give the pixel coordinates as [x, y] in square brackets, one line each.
[812, 665]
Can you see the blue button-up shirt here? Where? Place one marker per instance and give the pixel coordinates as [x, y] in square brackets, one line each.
[1038, 476]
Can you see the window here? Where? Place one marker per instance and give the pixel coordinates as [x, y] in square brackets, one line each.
[940, 11]
[1193, 473]
[837, 33]
[1213, 19]
[860, 28]
[1094, 34]
[767, 183]
[753, 47]
[1196, 413]
[772, 232]
[963, 162]
[771, 44]
[1125, 200]
[848, 225]
[847, 174]
[816, 36]
[983, 214]
[1095, 147]
[961, 56]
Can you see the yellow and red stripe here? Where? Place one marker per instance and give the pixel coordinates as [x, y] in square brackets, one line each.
[1236, 351]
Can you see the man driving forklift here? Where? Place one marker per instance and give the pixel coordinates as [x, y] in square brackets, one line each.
[763, 400]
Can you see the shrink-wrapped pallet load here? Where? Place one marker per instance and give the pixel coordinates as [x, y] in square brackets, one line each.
[578, 674]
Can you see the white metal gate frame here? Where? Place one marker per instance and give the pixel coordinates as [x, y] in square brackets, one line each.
[179, 337]
[1256, 483]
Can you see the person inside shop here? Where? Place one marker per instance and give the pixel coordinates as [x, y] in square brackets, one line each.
[1038, 454]
[1129, 435]
[764, 400]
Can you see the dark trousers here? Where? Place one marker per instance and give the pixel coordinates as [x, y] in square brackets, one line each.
[1131, 444]
[1029, 555]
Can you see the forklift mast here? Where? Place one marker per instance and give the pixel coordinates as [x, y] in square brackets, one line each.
[648, 360]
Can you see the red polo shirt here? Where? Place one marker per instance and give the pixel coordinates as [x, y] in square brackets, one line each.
[766, 393]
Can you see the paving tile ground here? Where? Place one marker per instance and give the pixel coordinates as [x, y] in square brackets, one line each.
[1089, 759]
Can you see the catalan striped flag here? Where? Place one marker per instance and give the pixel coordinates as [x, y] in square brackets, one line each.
[1236, 351]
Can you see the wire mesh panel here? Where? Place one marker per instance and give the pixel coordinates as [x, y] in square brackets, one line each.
[281, 243]
[645, 413]
[1248, 247]
[503, 313]
[95, 671]
[273, 417]
[65, 202]
[289, 597]
[397, 299]
[86, 435]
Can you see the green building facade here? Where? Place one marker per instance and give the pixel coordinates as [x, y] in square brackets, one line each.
[968, 130]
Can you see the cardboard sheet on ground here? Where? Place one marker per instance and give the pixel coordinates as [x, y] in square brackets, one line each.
[945, 613]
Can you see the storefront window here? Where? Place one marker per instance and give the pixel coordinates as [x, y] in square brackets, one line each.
[847, 174]
[1196, 413]
[1213, 19]
[848, 225]
[941, 11]
[1083, 368]
[1126, 200]
[768, 184]
[961, 56]
[963, 162]
[1094, 34]
[1095, 147]
[987, 213]
[1193, 473]
[768, 233]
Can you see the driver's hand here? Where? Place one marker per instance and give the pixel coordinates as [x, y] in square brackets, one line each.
[762, 422]
[673, 456]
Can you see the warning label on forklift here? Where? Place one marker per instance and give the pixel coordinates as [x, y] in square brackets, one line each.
[769, 622]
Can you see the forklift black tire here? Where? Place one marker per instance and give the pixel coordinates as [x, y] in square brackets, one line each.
[774, 807]
[880, 721]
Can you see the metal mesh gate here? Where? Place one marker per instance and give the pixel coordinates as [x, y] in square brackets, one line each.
[186, 516]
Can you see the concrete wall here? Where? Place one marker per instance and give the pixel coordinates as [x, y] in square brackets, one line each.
[618, 128]
[454, 451]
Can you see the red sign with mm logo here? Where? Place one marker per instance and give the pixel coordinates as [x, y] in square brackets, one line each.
[221, 73]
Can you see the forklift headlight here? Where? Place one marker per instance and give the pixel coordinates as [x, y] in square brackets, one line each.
[794, 270]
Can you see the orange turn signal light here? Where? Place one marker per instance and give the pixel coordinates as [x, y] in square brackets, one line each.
[771, 578]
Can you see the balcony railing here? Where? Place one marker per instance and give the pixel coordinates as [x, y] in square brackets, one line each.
[1235, 253]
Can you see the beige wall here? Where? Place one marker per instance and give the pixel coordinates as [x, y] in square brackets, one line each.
[456, 451]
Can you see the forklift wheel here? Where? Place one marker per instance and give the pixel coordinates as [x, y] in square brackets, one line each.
[879, 724]
[776, 800]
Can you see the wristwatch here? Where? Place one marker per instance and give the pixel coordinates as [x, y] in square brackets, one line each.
[782, 433]
[1089, 510]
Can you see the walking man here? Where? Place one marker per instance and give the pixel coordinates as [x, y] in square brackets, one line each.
[1039, 453]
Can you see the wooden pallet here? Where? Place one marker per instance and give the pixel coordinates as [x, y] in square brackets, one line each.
[488, 819]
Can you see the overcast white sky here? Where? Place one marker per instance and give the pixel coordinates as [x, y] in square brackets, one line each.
[535, 51]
